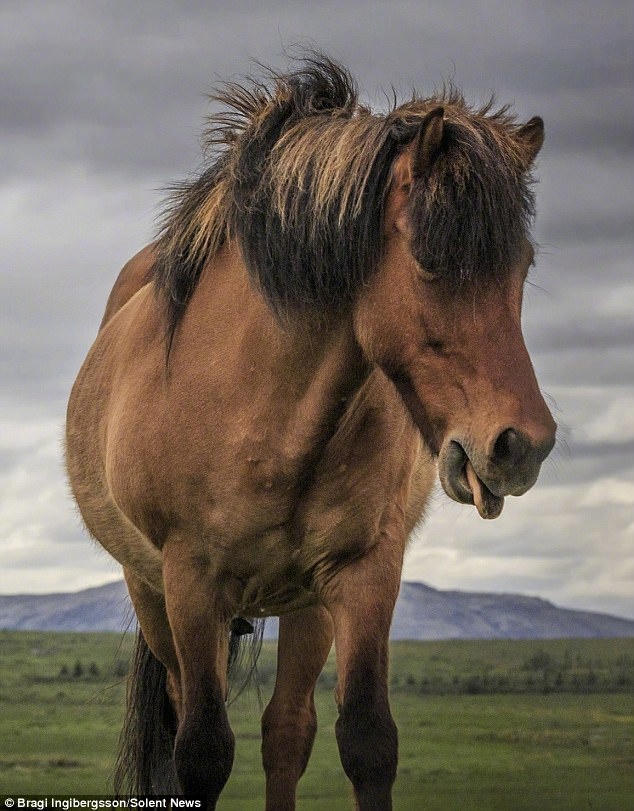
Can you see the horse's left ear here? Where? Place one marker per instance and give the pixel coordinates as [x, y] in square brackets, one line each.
[428, 142]
[531, 136]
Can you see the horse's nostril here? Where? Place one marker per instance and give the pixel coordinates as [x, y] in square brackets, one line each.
[515, 448]
[510, 447]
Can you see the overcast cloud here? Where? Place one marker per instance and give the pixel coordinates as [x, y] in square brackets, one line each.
[102, 105]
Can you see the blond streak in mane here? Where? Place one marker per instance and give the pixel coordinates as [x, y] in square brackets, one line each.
[334, 156]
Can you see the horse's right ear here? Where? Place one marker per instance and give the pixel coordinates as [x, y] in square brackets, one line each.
[531, 136]
[428, 143]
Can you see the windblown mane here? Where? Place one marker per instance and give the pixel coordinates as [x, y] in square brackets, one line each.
[300, 174]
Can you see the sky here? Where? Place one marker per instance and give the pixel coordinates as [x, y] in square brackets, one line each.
[103, 104]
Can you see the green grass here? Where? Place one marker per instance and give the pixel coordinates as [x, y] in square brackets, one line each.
[483, 725]
[58, 734]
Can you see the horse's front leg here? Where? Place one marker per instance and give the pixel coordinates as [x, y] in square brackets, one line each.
[289, 722]
[198, 617]
[360, 599]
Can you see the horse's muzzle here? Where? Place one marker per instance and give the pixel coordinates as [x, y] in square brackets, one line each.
[510, 466]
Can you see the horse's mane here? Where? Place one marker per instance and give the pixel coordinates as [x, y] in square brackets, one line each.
[299, 176]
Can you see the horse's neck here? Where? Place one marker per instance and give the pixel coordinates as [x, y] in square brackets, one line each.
[301, 372]
[332, 371]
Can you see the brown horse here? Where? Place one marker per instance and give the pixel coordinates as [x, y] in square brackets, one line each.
[328, 312]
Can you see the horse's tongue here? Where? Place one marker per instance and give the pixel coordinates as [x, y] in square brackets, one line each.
[487, 504]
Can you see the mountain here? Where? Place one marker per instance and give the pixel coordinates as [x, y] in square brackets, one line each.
[426, 613]
[421, 612]
[105, 608]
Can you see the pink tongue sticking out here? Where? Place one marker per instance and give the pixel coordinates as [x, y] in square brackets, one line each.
[487, 504]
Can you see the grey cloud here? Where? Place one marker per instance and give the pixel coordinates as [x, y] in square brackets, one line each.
[590, 228]
[601, 450]
[587, 336]
[587, 368]
[576, 462]
[115, 86]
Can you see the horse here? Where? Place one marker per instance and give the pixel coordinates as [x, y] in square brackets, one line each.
[328, 320]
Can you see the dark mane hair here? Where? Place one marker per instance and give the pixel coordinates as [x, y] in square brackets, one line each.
[300, 175]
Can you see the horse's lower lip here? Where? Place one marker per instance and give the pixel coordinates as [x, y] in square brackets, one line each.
[461, 483]
[460, 490]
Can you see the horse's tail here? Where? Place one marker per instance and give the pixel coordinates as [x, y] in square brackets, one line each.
[245, 644]
[144, 763]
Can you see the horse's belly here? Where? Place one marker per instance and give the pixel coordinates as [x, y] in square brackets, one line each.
[261, 599]
[264, 568]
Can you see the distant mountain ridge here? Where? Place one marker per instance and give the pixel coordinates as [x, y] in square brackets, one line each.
[103, 608]
[422, 612]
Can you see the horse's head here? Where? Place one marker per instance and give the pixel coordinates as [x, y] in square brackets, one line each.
[442, 315]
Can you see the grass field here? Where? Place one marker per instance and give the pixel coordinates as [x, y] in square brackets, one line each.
[483, 725]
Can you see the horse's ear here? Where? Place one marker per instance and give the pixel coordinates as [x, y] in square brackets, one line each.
[531, 137]
[428, 142]
[413, 162]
